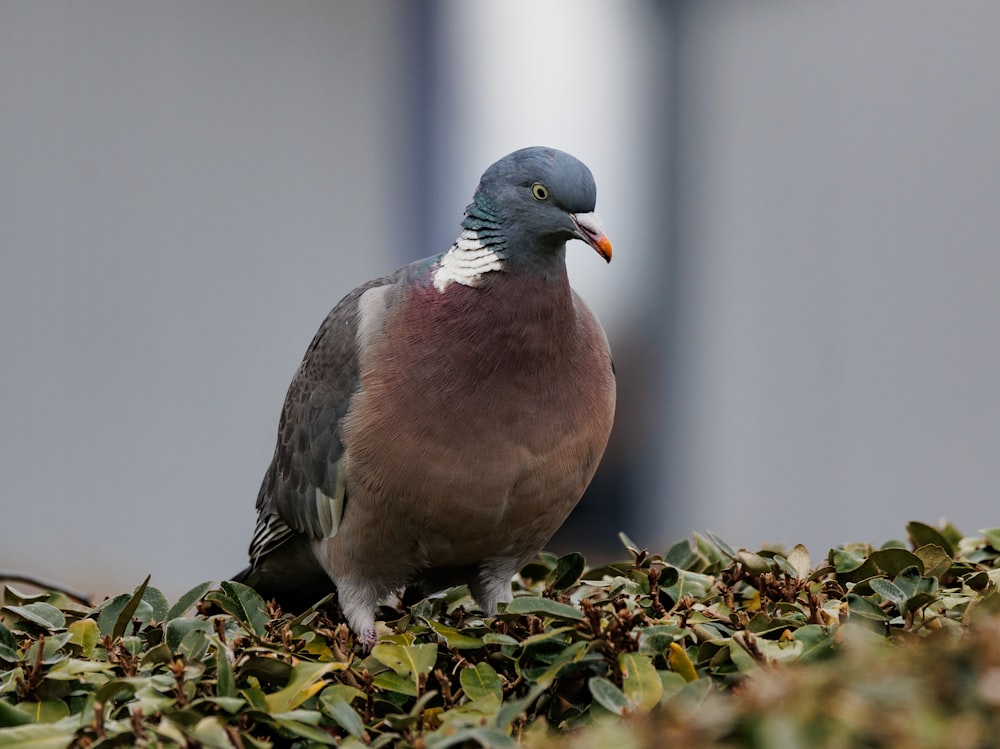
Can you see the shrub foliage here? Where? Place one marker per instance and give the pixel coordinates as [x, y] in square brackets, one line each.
[702, 646]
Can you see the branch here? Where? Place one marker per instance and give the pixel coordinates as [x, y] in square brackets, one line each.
[44, 584]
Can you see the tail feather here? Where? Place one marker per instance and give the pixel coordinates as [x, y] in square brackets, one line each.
[242, 576]
[289, 575]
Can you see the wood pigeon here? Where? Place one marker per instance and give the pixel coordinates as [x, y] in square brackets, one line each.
[446, 418]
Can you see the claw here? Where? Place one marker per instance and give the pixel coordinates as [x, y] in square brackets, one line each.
[367, 640]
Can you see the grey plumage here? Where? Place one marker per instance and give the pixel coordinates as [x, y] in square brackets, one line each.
[445, 418]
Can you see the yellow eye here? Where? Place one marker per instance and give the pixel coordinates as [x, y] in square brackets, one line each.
[540, 191]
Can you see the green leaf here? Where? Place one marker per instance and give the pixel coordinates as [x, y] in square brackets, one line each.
[345, 716]
[43, 614]
[743, 661]
[341, 692]
[817, 642]
[158, 602]
[657, 638]
[908, 581]
[565, 661]
[245, 604]
[14, 597]
[936, 560]
[558, 635]
[691, 584]
[543, 607]
[298, 724]
[8, 645]
[889, 591]
[107, 612]
[567, 572]
[628, 543]
[850, 567]
[125, 616]
[754, 563]
[681, 555]
[390, 681]
[481, 681]
[452, 637]
[892, 561]
[407, 660]
[305, 680]
[922, 534]
[210, 731]
[484, 737]
[85, 633]
[111, 690]
[610, 697]
[11, 716]
[992, 536]
[862, 607]
[47, 711]
[269, 671]
[39, 735]
[640, 681]
[194, 645]
[231, 705]
[177, 629]
[225, 682]
[722, 545]
[783, 565]
[668, 576]
[188, 600]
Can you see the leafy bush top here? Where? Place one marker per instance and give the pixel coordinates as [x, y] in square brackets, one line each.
[702, 646]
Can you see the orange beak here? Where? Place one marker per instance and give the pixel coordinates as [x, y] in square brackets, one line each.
[590, 231]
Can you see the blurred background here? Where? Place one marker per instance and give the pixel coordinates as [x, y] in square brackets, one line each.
[803, 304]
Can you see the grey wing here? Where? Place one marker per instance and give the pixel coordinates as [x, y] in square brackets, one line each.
[303, 490]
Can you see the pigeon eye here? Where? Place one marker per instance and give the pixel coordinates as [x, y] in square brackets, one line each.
[540, 191]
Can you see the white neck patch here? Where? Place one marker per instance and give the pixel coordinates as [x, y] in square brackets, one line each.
[467, 262]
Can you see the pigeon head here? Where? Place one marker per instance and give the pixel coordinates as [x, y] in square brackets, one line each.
[533, 201]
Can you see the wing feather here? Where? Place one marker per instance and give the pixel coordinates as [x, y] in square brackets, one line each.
[304, 488]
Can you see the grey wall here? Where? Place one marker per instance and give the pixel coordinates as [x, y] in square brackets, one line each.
[186, 189]
[837, 364]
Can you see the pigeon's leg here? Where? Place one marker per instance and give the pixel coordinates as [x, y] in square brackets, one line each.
[491, 585]
[358, 600]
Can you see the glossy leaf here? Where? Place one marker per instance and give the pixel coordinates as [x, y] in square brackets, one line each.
[407, 660]
[39, 613]
[39, 735]
[922, 534]
[481, 681]
[85, 633]
[640, 682]
[189, 599]
[543, 607]
[568, 570]
[936, 560]
[345, 716]
[11, 715]
[892, 561]
[245, 604]
[610, 697]
[305, 680]
[669, 663]
[452, 637]
[124, 617]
